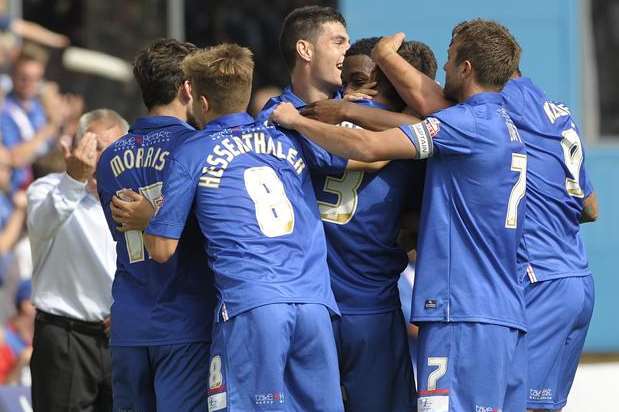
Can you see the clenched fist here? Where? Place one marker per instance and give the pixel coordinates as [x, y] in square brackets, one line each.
[286, 115]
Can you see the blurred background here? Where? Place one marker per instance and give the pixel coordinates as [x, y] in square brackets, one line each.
[570, 48]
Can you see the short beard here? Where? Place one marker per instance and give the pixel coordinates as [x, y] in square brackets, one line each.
[451, 92]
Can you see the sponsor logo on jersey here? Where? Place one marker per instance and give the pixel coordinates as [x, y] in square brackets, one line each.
[270, 398]
[542, 394]
[430, 304]
[486, 409]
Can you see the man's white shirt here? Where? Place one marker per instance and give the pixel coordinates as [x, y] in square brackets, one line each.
[73, 253]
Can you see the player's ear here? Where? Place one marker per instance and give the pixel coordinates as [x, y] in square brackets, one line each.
[466, 69]
[204, 104]
[305, 50]
[184, 93]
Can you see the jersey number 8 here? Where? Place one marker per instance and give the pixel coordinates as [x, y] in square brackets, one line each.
[274, 211]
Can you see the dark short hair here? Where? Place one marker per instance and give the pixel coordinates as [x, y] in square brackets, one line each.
[420, 56]
[158, 71]
[304, 23]
[492, 50]
[362, 47]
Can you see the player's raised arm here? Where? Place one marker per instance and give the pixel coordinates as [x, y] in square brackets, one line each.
[419, 91]
[336, 111]
[356, 144]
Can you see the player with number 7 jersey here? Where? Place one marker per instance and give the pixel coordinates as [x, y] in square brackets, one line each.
[467, 300]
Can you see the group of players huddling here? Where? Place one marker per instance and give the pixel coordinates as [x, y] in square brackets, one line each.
[258, 258]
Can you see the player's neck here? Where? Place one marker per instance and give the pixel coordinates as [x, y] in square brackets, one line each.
[304, 87]
[473, 88]
[174, 109]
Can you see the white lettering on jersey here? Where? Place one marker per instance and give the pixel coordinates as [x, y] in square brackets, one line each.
[133, 160]
[224, 153]
[555, 111]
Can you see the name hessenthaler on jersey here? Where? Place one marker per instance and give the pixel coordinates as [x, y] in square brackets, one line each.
[224, 153]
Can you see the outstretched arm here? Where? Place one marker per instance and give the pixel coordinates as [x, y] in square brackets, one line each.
[418, 90]
[338, 111]
[351, 143]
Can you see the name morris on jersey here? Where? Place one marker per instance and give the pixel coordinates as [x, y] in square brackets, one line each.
[141, 157]
[225, 152]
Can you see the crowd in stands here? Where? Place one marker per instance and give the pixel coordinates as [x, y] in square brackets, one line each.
[35, 119]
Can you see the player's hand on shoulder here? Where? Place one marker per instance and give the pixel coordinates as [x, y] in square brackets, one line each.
[387, 45]
[82, 159]
[131, 210]
[285, 115]
[328, 111]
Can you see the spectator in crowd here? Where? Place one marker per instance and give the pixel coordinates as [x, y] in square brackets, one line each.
[73, 296]
[29, 30]
[12, 214]
[30, 120]
[16, 339]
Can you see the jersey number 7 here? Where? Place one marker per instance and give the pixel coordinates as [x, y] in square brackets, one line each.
[519, 164]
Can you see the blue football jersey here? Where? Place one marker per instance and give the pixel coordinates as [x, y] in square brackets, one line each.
[318, 159]
[557, 183]
[361, 215]
[154, 303]
[472, 215]
[250, 189]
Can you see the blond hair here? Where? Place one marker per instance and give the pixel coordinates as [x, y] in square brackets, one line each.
[223, 74]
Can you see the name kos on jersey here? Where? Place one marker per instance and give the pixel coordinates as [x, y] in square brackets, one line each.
[140, 158]
[222, 155]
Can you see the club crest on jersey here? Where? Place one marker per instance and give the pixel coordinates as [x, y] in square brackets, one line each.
[433, 125]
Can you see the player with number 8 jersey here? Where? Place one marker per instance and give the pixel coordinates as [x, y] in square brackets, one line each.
[249, 187]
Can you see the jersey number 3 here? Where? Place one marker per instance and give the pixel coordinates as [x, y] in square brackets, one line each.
[345, 188]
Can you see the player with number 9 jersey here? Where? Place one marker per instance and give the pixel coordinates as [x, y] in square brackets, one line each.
[560, 293]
